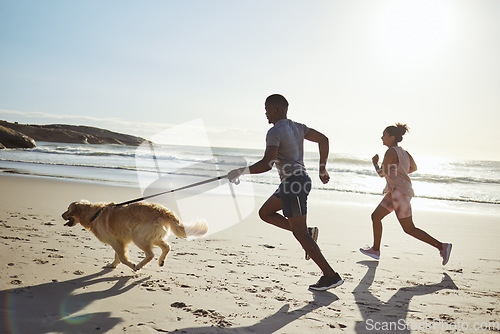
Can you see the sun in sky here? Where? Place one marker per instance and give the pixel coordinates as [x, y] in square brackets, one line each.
[414, 28]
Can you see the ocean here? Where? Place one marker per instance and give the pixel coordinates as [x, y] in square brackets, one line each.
[450, 181]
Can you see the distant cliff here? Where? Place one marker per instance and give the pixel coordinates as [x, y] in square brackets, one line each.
[10, 138]
[14, 135]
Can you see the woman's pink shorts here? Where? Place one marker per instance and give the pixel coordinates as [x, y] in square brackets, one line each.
[396, 201]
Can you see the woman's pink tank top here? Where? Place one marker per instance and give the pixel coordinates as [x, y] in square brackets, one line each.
[398, 178]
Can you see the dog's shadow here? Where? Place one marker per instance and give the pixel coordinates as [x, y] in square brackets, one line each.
[274, 322]
[51, 307]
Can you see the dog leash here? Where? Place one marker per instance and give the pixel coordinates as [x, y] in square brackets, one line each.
[236, 181]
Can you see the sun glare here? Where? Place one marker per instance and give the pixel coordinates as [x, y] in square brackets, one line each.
[414, 28]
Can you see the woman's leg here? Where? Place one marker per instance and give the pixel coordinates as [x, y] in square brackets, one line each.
[409, 227]
[402, 207]
[377, 216]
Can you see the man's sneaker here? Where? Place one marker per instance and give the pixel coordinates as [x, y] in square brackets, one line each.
[325, 283]
[370, 252]
[445, 253]
[313, 232]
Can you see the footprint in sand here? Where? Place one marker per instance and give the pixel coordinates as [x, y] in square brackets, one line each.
[215, 317]
[40, 261]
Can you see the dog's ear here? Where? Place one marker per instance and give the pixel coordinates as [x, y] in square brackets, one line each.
[75, 205]
[81, 203]
[79, 206]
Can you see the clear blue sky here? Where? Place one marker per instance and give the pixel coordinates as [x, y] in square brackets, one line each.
[348, 68]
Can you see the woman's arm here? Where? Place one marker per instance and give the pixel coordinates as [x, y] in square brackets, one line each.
[413, 165]
[390, 161]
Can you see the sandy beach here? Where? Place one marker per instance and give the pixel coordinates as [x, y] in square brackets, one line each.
[249, 278]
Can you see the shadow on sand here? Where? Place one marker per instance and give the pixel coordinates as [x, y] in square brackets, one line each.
[50, 307]
[394, 312]
[274, 322]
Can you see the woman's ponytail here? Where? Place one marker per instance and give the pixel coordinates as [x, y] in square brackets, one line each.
[397, 131]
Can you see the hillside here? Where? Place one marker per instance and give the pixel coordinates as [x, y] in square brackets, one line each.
[15, 135]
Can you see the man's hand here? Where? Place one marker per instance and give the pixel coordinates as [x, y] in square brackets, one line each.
[235, 174]
[375, 159]
[323, 175]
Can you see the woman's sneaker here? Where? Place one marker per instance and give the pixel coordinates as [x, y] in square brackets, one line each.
[370, 252]
[445, 253]
[313, 232]
[325, 283]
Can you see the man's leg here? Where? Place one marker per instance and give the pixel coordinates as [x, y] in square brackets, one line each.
[299, 228]
[269, 213]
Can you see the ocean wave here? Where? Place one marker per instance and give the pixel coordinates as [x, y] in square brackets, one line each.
[77, 152]
[379, 193]
[200, 172]
[476, 163]
[131, 168]
[463, 200]
[225, 166]
[351, 161]
[469, 181]
[450, 179]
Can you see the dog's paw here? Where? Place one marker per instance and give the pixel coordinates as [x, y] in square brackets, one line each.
[110, 266]
[161, 263]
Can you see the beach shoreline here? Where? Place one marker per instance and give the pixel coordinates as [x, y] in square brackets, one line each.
[247, 278]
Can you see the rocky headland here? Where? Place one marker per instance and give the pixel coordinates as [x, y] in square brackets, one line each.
[15, 135]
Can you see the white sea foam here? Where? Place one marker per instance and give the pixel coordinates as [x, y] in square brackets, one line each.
[439, 179]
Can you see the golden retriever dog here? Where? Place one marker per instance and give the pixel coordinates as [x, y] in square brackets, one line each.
[145, 224]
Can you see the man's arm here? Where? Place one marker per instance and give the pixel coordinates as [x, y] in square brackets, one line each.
[263, 165]
[324, 149]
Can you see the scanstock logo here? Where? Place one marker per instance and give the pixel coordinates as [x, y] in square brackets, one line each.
[161, 167]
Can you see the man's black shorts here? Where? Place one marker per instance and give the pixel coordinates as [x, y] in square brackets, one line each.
[293, 192]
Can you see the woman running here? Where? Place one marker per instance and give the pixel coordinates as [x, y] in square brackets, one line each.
[398, 192]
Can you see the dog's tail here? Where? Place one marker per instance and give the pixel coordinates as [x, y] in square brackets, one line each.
[199, 229]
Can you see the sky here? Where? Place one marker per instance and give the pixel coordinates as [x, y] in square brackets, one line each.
[347, 68]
